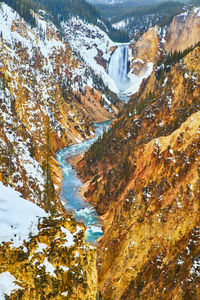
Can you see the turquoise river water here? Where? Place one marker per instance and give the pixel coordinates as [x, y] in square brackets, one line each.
[71, 184]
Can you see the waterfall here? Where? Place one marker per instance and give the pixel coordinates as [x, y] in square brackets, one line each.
[118, 68]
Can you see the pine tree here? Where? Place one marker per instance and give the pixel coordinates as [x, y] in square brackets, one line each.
[49, 186]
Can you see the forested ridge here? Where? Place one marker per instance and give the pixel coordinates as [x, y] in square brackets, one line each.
[166, 9]
[136, 19]
[62, 10]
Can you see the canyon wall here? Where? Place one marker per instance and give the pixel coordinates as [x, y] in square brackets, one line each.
[184, 31]
[181, 34]
[143, 178]
[49, 99]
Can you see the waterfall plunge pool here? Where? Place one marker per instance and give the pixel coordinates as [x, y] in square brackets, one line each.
[70, 190]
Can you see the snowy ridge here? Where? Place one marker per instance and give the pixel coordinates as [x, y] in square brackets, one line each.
[121, 24]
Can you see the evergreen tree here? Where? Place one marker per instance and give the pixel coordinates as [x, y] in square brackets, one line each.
[62, 10]
[49, 186]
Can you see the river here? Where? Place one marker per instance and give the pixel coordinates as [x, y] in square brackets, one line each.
[71, 184]
[70, 191]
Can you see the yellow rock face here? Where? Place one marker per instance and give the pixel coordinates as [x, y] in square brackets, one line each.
[144, 51]
[145, 182]
[183, 32]
[141, 245]
[146, 48]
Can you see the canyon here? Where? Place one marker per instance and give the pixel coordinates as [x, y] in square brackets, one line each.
[141, 176]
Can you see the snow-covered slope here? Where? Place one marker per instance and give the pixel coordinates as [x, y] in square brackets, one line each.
[135, 26]
[136, 80]
[18, 217]
[92, 44]
[16, 147]
[7, 285]
[44, 38]
[140, 18]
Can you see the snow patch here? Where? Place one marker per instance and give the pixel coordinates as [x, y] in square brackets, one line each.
[49, 267]
[18, 217]
[41, 247]
[197, 11]
[69, 237]
[7, 285]
[137, 80]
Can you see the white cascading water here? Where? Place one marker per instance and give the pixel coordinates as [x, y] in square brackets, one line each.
[118, 68]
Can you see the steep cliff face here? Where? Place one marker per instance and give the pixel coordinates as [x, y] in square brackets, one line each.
[146, 48]
[142, 56]
[184, 31]
[144, 180]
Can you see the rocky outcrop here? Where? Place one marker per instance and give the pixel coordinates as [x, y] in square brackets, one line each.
[145, 49]
[182, 33]
[57, 263]
[143, 55]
